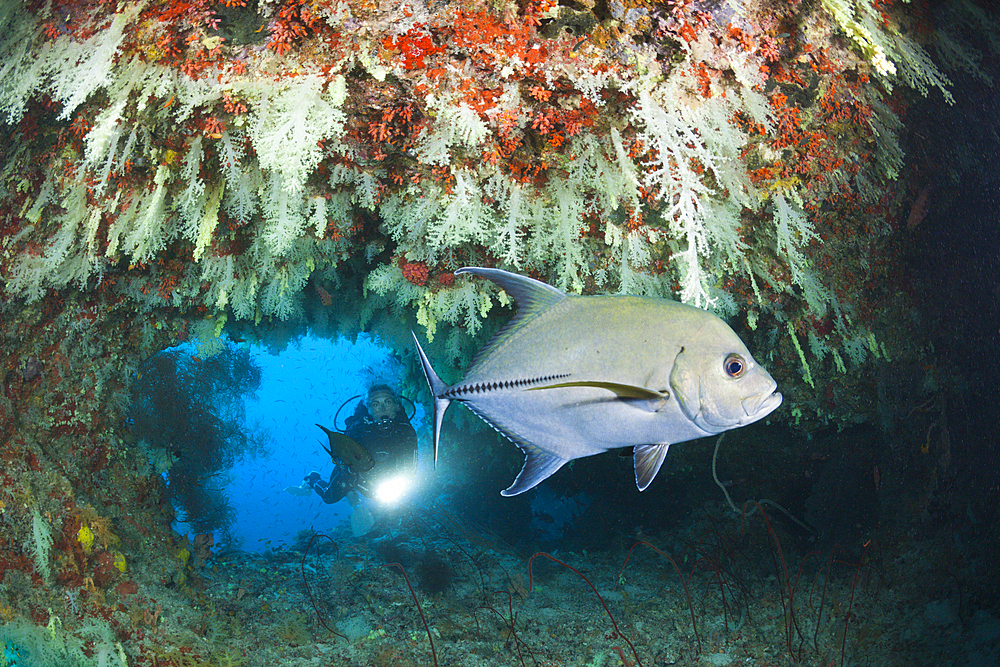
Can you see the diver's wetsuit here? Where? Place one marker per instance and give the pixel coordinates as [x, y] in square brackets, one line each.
[336, 488]
[393, 444]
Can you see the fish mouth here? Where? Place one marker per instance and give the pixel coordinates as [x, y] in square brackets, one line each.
[758, 407]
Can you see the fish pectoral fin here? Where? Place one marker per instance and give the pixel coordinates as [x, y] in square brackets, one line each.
[630, 391]
[648, 459]
[538, 466]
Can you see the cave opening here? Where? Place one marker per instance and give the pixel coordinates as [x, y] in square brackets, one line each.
[232, 428]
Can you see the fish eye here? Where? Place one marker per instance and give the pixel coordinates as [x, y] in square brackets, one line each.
[734, 365]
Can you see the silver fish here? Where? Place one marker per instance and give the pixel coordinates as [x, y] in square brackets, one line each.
[573, 376]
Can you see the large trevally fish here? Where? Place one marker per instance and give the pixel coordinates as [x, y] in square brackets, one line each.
[572, 376]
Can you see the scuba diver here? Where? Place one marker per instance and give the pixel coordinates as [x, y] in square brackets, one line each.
[375, 456]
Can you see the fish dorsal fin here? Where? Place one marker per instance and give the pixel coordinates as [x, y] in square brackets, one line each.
[648, 459]
[531, 296]
[537, 467]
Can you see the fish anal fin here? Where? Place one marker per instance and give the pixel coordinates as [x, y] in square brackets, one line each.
[538, 466]
[648, 459]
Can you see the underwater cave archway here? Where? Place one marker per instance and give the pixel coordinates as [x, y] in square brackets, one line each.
[231, 430]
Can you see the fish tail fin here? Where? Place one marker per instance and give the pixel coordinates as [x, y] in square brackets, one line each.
[438, 388]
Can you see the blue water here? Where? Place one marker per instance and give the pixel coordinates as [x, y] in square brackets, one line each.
[303, 385]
